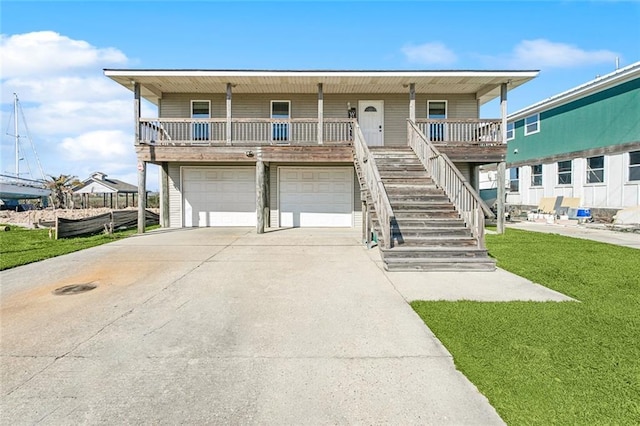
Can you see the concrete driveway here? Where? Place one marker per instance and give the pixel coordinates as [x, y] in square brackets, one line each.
[223, 326]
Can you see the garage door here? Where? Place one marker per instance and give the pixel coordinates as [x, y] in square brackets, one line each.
[217, 196]
[316, 197]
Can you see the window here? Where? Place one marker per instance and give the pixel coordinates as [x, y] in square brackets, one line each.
[437, 110]
[511, 133]
[536, 175]
[634, 165]
[280, 114]
[595, 169]
[514, 179]
[200, 129]
[532, 124]
[564, 172]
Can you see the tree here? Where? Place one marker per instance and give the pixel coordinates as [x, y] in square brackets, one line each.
[61, 186]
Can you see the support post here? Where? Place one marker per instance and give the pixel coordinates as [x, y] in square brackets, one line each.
[501, 196]
[142, 165]
[412, 102]
[320, 114]
[261, 199]
[366, 233]
[229, 113]
[164, 195]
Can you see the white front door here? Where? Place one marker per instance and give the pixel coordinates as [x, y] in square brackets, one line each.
[371, 120]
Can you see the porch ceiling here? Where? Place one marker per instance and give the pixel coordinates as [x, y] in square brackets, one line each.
[484, 84]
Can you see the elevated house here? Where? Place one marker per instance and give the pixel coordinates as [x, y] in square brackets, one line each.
[395, 153]
[583, 143]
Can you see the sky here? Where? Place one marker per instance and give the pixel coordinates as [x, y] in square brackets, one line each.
[52, 54]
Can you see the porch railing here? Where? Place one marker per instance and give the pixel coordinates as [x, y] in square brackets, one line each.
[447, 176]
[483, 132]
[213, 131]
[374, 185]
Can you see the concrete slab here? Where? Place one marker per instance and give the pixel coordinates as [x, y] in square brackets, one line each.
[226, 326]
[625, 239]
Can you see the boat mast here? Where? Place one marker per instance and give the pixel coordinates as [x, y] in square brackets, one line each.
[15, 132]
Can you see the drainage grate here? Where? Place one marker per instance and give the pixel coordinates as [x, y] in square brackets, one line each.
[74, 289]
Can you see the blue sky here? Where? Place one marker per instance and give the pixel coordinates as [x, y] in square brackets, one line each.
[53, 54]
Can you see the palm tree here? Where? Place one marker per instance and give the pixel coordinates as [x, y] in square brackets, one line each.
[60, 187]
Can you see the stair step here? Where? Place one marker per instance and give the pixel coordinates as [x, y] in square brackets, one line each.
[404, 214]
[442, 265]
[413, 232]
[434, 252]
[433, 223]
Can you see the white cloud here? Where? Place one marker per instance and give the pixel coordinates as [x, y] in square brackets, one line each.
[113, 146]
[542, 54]
[48, 53]
[434, 53]
[80, 121]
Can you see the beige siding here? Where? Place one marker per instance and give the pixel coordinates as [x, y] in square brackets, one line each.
[175, 196]
[396, 107]
[465, 169]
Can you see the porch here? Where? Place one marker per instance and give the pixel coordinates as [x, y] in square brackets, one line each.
[468, 140]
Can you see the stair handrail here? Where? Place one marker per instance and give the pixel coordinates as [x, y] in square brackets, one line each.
[447, 176]
[372, 180]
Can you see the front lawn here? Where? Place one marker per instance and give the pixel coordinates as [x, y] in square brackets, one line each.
[553, 363]
[20, 246]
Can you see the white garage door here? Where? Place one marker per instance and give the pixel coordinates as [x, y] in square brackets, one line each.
[217, 196]
[316, 197]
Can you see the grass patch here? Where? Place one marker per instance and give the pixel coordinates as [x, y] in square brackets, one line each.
[553, 363]
[21, 246]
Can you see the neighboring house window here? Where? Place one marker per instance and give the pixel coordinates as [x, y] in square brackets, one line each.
[200, 109]
[536, 175]
[564, 172]
[634, 165]
[595, 169]
[280, 114]
[532, 124]
[437, 110]
[511, 131]
[514, 179]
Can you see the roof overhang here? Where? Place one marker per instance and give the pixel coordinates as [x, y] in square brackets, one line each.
[484, 85]
[620, 76]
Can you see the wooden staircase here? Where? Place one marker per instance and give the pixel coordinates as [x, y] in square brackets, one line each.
[428, 233]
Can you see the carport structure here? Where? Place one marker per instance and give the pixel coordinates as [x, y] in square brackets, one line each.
[99, 184]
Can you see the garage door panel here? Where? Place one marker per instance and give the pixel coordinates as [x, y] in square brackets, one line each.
[320, 197]
[219, 197]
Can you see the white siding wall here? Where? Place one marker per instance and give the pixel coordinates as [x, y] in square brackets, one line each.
[615, 193]
[175, 196]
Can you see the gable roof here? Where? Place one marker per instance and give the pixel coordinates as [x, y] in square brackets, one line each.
[98, 179]
[484, 84]
[598, 84]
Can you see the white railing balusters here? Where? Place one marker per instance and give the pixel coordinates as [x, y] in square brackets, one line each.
[484, 132]
[374, 184]
[300, 131]
[447, 176]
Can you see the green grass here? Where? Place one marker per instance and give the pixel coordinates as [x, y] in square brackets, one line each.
[553, 363]
[20, 246]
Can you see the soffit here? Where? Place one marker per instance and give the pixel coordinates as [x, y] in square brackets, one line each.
[484, 84]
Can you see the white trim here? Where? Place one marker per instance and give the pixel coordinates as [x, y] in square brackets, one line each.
[537, 115]
[599, 84]
[446, 107]
[564, 185]
[200, 100]
[315, 74]
[513, 131]
[279, 189]
[627, 163]
[279, 100]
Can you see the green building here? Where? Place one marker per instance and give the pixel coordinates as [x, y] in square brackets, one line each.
[583, 143]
